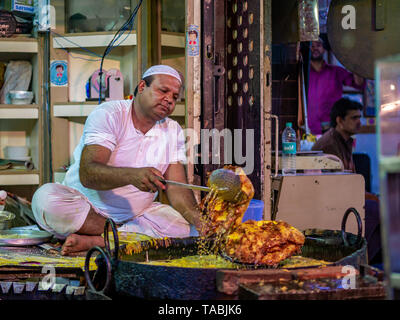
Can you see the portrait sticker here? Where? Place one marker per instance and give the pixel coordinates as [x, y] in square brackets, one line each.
[192, 40]
[59, 73]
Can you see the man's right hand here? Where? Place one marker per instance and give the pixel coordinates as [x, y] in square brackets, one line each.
[94, 172]
[147, 179]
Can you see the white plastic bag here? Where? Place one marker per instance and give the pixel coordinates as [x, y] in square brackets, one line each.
[306, 145]
[17, 77]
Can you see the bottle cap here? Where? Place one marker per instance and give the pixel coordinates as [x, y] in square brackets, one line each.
[288, 124]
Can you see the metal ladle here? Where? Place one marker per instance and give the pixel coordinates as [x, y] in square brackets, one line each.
[225, 182]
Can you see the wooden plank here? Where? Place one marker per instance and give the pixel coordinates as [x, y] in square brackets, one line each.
[193, 90]
[36, 150]
[19, 106]
[155, 35]
[228, 281]
[145, 40]
[73, 110]
[18, 178]
[84, 109]
[19, 113]
[17, 172]
[266, 95]
[173, 40]
[139, 62]
[59, 127]
[37, 133]
[59, 6]
[255, 291]
[29, 45]
[89, 41]
[60, 142]
[335, 272]
[59, 94]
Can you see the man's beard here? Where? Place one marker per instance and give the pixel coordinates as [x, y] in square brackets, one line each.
[317, 58]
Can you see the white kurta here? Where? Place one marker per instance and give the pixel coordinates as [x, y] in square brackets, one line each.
[62, 210]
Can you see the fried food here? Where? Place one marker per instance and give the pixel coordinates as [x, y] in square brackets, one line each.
[263, 242]
[221, 216]
[253, 242]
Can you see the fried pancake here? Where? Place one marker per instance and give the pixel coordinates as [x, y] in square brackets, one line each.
[264, 242]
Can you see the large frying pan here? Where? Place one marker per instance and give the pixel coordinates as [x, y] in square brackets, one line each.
[122, 274]
[376, 34]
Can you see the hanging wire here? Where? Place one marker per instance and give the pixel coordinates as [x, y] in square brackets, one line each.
[110, 46]
[129, 23]
[75, 44]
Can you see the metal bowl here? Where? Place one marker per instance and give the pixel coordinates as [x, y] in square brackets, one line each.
[6, 219]
[20, 97]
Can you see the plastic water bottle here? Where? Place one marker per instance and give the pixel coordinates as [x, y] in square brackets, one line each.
[288, 150]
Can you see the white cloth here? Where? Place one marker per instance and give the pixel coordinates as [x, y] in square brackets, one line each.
[62, 210]
[159, 221]
[110, 125]
[162, 69]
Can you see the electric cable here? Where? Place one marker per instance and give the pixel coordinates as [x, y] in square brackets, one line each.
[129, 23]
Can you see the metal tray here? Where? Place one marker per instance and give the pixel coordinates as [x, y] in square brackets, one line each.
[24, 237]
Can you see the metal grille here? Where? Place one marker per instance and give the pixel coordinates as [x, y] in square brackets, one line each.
[213, 77]
[243, 77]
[231, 84]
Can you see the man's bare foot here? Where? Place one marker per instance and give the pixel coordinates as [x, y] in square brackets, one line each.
[77, 243]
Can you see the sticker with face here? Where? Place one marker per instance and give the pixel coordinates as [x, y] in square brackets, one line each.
[59, 73]
[192, 40]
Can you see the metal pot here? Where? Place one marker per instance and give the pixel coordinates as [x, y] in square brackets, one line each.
[6, 219]
[20, 97]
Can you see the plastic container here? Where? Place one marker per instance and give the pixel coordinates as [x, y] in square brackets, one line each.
[254, 211]
[288, 150]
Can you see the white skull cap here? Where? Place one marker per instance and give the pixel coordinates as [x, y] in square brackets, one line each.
[162, 69]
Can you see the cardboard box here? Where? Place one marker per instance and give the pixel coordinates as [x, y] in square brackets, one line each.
[24, 7]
